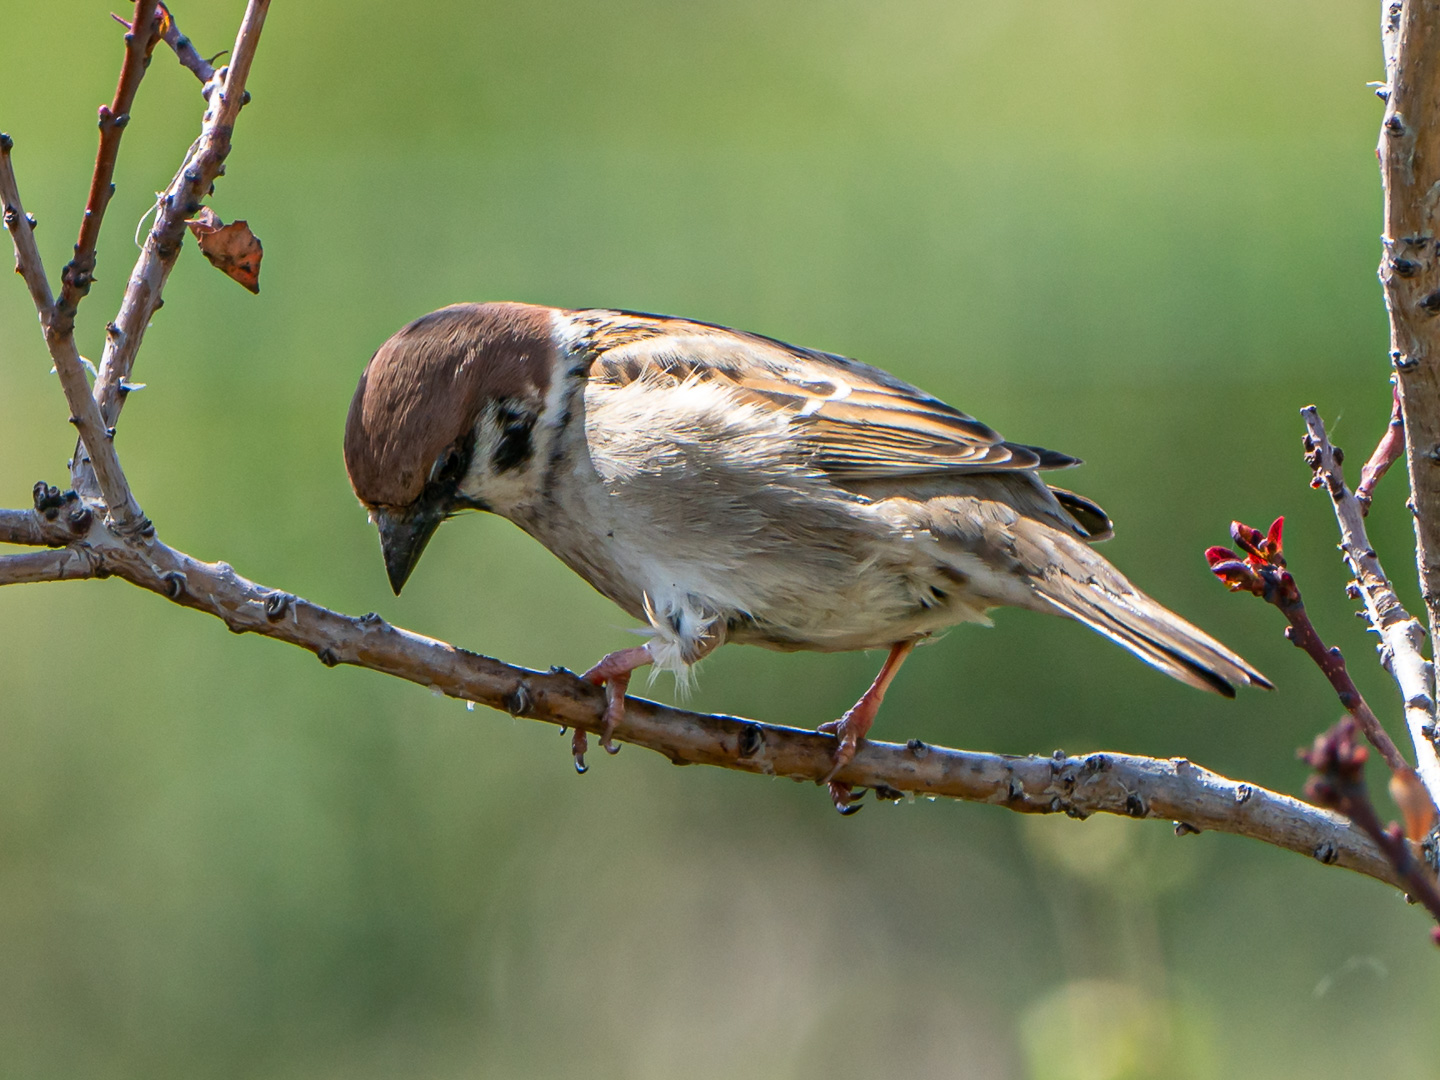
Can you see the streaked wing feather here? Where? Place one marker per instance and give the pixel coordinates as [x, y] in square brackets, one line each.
[855, 421]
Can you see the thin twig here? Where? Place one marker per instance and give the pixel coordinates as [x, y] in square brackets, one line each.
[79, 273]
[1262, 571]
[1128, 785]
[1339, 784]
[1401, 636]
[95, 437]
[1388, 451]
[181, 45]
[192, 183]
[21, 227]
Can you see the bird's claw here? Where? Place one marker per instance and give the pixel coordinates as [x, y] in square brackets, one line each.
[613, 673]
[614, 713]
[844, 798]
[578, 745]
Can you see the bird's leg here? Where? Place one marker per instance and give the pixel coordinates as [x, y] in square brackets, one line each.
[613, 673]
[851, 727]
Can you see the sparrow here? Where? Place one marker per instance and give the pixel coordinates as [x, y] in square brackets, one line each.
[721, 486]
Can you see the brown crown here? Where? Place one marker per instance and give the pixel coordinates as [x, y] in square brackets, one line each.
[425, 387]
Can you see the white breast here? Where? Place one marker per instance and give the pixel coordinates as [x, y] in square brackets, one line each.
[695, 512]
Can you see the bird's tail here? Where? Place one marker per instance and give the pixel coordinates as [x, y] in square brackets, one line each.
[1080, 583]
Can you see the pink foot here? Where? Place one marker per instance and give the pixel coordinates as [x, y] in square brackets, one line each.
[613, 673]
[851, 728]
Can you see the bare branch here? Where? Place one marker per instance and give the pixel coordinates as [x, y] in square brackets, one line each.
[1401, 636]
[79, 273]
[192, 183]
[95, 436]
[24, 527]
[1409, 153]
[1339, 783]
[181, 45]
[60, 564]
[1388, 451]
[59, 518]
[21, 227]
[1132, 786]
[1263, 572]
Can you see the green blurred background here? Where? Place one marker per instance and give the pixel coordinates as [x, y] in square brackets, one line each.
[1141, 233]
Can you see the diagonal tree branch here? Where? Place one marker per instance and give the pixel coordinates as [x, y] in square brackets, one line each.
[1401, 636]
[21, 227]
[194, 180]
[79, 272]
[96, 437]
[1128, 785]
[1339, 783]
[181, 45]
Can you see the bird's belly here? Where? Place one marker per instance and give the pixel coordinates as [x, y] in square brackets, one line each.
[880, 601]
[833, 575]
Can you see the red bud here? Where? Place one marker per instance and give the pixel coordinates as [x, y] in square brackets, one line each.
[1215, 555]
[1273, 539]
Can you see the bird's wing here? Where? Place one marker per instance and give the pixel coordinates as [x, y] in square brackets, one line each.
[853, 421]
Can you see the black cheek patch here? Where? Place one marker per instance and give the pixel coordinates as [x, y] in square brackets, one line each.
[516, 444]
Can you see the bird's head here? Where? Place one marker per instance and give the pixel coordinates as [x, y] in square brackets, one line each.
[444, 420]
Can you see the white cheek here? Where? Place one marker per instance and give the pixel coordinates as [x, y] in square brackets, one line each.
[509, 491]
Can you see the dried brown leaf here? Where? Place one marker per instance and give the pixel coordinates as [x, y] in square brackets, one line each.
[232, 249]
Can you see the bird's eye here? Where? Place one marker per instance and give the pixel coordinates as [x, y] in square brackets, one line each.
[447, 466]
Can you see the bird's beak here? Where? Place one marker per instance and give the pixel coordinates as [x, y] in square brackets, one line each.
[403, 536]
